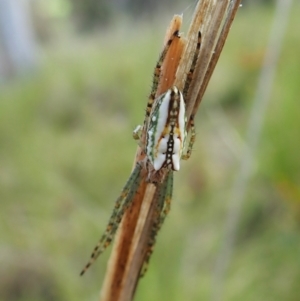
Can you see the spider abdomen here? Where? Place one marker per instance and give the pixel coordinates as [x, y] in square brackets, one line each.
[166, 130]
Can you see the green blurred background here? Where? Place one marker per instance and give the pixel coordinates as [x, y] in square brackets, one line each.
[66, 122]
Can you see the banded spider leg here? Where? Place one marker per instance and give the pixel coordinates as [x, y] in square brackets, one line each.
[163, 197]
[191, 123]
[121, 205]
[155, 82]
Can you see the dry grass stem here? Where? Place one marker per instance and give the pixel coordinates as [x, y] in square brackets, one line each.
[131, 240]
[213, 19]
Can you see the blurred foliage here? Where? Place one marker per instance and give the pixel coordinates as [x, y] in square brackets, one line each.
[91, 13]
[66, 150]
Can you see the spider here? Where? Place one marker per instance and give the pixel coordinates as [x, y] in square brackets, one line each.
[165, 121]
[165, 128]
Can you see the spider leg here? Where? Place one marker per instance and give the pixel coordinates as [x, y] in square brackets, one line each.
[136, 134]
[190, 74]
[163, 205]
[156, 75]
[185, 92]
[192, 138]
[122, 203]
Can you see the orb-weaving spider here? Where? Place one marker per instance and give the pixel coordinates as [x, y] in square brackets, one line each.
[165, 128]
[165, 122]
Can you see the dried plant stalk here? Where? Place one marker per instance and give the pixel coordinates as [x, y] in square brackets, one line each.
[131, 241]
[213, 18]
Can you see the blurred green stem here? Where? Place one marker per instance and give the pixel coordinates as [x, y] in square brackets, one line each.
[255, 126]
